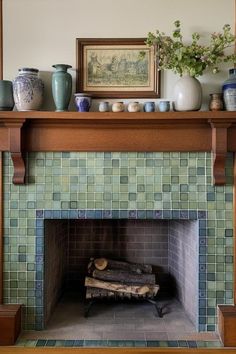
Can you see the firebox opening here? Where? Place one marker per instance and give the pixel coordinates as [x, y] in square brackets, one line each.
[170, 246]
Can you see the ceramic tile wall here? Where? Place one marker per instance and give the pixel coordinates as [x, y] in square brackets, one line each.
[119, 185]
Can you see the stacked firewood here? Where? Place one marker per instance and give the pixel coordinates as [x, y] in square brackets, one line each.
[118, 279]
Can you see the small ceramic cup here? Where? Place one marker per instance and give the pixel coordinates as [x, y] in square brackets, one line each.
[164, 106]
[149, 106]
[133, 107]
[103, 106]
[83, 102]
[118, 107]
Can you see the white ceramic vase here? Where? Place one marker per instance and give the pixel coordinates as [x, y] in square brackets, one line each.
[28, 90]
[187, 94]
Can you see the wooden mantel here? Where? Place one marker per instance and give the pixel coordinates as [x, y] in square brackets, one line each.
[95, 131]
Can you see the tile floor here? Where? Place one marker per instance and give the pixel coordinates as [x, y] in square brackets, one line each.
[118, 322]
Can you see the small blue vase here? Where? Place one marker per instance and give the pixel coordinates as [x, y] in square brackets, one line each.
[83, 102]
[61, 87]
[149, 106]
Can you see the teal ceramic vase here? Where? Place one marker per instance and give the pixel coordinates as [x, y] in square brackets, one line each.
[61, 87]
[6, 95]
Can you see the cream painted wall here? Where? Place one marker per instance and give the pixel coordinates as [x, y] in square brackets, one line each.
[40, 33]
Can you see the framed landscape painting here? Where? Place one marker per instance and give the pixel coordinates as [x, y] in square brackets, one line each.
[113, 68]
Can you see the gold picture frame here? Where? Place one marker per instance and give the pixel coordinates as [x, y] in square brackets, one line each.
[113, 68]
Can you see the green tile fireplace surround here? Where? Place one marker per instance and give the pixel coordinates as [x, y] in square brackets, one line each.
[124, 183]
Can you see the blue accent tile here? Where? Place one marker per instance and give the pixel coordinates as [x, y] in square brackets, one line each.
[193, 214]
[172, 343]
[202, 232]
[39, 214]
[157, 214]
[107, 214]
[39, 241]
[192, 343]
[115, 214]
[98, 214]
[73, 214]
[39, 310]
[182, 344]
[39, 276]
[50, 343]
[141, 214]
[38, 293]
[132, 214]
[41, 343]
[202, 259]
[69, 343]
[184, 214]
[39, 223]
[79, 343]
[150, 214]
[39, 285]
[81, 214]
[167, 214]
[48, 214]
[64, 214]
[202, 214]
[202, 294]
[39, 231]
[38, 302]
[202, 241]
[123, 214]
[39, 259]
[39, 250]
[90, 214]
[175, 214]
[56, 214]
[202, 224]
[202, 250]
[153, 343]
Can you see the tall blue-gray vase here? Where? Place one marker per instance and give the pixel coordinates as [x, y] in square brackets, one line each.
[61, 87]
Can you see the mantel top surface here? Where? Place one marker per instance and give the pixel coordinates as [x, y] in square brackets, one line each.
[139, 116]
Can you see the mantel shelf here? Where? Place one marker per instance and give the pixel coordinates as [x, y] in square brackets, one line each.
[95, 131]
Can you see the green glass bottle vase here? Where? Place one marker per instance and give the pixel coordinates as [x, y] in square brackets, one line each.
[61, 87]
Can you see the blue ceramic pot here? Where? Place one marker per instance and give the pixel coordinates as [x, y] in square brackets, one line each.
[61, 87]
[229, 91]
[149, 106]
[83, 102]
[28, 90]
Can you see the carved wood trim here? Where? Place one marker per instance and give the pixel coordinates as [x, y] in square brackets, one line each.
[219, 149]
[15, 148]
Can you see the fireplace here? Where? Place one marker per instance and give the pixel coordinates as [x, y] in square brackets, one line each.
[175, 188]
[170, 246]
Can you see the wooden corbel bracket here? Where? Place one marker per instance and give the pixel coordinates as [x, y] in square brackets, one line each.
[15, 148]
[219, 149]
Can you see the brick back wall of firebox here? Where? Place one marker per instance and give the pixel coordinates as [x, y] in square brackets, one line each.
[141, 241]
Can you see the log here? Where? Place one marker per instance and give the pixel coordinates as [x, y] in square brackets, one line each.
[124, 277]
[100, 263]
[104, 263]
[98, 293]
[149, 290]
